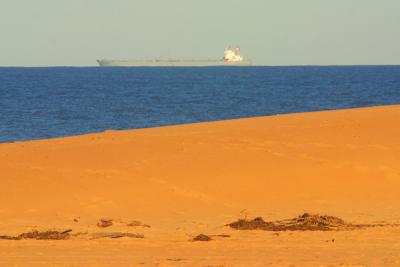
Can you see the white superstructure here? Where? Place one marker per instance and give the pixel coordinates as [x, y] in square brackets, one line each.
[232, 55]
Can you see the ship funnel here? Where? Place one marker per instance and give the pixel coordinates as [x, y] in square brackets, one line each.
[237, 51]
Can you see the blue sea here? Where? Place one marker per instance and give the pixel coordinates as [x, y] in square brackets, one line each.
[38, 103]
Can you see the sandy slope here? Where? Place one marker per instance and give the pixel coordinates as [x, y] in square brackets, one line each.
[191, 179]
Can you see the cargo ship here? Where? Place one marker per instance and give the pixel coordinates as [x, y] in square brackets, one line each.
[232, 57]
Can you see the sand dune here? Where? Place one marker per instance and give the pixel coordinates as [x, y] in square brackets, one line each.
[171, 184]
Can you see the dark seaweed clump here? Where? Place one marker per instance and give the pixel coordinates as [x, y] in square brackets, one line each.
[202, 237]
[46, 235]
[304, 222]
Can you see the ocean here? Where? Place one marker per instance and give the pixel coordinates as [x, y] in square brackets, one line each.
[40, 103]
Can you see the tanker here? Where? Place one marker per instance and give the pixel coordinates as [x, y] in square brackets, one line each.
[231, 58]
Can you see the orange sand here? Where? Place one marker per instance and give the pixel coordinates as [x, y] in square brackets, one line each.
[191, 179]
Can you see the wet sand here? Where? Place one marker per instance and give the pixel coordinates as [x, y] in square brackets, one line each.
[157, 189]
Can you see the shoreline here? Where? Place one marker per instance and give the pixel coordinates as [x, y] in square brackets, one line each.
[196, 123]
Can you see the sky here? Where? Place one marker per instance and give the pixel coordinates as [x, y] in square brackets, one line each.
[269, 32]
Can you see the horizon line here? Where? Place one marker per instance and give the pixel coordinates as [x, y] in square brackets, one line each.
[254, 65]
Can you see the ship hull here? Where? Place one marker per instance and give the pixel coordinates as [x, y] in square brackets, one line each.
[170, 63]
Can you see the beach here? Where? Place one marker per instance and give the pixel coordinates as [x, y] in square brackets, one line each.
[140, 197]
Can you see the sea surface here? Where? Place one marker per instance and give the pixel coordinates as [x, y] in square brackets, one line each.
[38, 103]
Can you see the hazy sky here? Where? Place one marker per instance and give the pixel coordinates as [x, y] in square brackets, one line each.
[270, 32]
